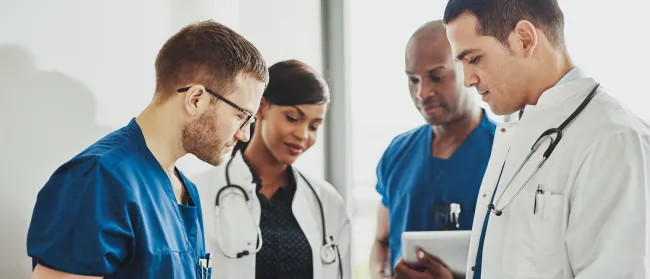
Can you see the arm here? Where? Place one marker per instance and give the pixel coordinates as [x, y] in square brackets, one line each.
[607, 233]
[41, 272]
[379, 254]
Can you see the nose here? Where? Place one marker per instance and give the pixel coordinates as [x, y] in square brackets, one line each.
[301, 132]
[470, 78]
[425, 89]
[244, 134]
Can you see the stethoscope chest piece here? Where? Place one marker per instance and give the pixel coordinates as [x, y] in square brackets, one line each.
[327, 253]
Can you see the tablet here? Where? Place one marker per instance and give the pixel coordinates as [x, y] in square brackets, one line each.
[450, 246]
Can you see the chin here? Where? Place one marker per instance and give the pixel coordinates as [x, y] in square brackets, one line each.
[501, 111]
[212, 159]
[287, 159]
[435, 121]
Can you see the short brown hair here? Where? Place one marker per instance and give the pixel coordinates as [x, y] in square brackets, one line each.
[207, 53]
[497, 18]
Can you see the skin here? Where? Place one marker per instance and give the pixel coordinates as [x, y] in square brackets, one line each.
[511, 76]
[282, 134]
[189, 123]
[435, 82]
[428, 266]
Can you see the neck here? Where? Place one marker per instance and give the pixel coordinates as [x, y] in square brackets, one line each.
[546, 74]
[458, 130]
[163, 140]
[262, 161]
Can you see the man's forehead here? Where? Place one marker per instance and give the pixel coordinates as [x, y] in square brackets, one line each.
[425, 52]
[248, 92]
[461, 33]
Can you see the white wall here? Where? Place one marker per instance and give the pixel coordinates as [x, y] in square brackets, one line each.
[73, 70]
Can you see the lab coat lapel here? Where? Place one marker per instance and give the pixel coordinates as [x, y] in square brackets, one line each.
[241, 175]
[305, 209]
[500, 147]
[225, 268]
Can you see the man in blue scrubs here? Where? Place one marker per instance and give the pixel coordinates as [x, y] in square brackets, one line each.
[120, 208]
[426, 174]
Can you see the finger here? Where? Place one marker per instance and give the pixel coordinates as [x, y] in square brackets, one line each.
[423, 254]
[404, 272]
[431, 265]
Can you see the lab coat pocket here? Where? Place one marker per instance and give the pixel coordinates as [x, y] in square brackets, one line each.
[534, 244]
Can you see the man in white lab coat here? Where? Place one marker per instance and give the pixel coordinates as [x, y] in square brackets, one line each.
[583, 214]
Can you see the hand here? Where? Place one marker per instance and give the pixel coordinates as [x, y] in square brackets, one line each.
[427, 267]
[381, 274]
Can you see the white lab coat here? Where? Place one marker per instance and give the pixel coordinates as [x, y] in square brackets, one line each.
[592, 218]
[237, 231]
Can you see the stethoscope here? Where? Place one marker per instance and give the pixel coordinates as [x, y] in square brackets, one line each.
[329, 252]
[549, 150]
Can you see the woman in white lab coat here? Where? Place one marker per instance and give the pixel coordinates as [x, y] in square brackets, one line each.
[304, 230]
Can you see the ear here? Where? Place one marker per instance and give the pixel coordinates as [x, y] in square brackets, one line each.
[525, 37]
[196, 100]
[264, 106]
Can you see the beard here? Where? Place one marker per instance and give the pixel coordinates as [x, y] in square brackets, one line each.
[202, 139]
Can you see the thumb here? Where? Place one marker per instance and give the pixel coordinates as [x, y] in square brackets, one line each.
[421, 255]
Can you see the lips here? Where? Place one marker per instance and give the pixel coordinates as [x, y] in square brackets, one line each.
[484, 95]
[428, 109]
[295, 149]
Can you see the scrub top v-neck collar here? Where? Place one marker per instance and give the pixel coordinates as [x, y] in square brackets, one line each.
[138, 135]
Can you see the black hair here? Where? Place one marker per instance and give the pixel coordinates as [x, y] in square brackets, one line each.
[291, 83]
[497, 18]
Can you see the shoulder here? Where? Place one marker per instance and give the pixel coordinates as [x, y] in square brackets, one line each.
[605, 124]
[482, 138]
[102, 164]
[88, 174]
[411, 135]
[607, 116]
[407, 139]
[110, 150]
[487, 127]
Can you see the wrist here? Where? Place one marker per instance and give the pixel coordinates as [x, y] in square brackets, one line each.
[457, 275]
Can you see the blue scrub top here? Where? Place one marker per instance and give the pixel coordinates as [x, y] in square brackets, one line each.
[418, 188]
[111, 212]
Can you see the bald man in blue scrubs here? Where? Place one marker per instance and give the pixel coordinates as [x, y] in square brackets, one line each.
[121, 208]
[426, 174]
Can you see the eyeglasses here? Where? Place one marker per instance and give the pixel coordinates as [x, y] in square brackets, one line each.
[250, 117]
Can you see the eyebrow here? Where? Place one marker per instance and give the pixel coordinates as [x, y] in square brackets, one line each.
[248, 111]
[466, 52]
[302, 113]
[299, 110]
[429, 71]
